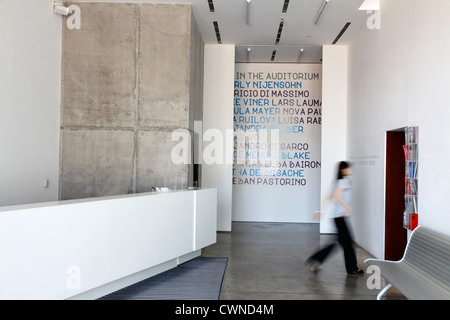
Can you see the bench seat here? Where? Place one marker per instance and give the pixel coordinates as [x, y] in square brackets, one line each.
[424, 271]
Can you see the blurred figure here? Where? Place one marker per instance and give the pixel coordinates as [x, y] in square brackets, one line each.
[341, 196]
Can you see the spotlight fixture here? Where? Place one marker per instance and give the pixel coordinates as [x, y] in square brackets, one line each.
[247, 16]
[248, 54]
[370, 5]
[300, 55]
[319, 13]
[60, 9]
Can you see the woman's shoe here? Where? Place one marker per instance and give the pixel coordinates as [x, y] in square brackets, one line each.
[359, 271]
[312, 265]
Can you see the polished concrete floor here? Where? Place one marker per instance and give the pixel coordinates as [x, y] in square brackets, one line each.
[266, 262]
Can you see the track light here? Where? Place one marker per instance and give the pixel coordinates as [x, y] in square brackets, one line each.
[300, 55]
[247, 17]
[370, 5]
[60, 9]
[319, 13]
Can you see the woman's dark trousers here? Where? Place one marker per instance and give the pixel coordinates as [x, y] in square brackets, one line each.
[346, 241]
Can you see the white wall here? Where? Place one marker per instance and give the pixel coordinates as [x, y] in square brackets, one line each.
[399, 76]
[218, 114]
[334, 124]
[30, 81]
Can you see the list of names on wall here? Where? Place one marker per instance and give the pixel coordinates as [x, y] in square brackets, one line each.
[277, 119]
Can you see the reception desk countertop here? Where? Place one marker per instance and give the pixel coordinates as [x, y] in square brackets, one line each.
[90, 247]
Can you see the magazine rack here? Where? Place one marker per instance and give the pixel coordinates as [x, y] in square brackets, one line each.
[411, 214]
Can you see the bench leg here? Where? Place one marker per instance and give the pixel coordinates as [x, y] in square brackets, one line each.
[383, 291]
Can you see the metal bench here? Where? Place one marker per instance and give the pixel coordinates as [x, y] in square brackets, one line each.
[424, 271]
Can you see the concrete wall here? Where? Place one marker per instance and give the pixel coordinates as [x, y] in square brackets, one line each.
[30, 81]
[130, 76]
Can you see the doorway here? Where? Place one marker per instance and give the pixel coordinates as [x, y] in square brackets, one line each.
[395, 234]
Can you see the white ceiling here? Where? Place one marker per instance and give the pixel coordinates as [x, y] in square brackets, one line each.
[299, 30]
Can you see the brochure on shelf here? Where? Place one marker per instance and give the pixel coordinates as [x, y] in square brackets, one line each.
[413, 221]
[411, 170]
[412, 152]
[411, 134]
[411, 204]
[410, 220]
[411, 187]
[406, 220]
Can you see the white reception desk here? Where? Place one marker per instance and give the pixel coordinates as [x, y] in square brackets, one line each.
[85, 249]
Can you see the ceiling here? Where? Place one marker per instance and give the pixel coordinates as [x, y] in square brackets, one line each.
[299, 30]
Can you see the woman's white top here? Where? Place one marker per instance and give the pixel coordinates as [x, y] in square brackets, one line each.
[346, 196]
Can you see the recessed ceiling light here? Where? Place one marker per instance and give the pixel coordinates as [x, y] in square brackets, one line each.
[216, 30]
[342, 32]
[285, 6]
[274, 52]
[280, 30]
[211, 6]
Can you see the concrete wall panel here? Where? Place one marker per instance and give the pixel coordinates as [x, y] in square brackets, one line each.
[130, 78]
[99, 74]
[96, 163]
[154, 164]
[164, 65]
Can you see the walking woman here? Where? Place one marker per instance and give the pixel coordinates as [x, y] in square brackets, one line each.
[341, 197]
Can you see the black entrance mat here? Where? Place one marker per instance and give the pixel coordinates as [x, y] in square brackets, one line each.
[198, 279]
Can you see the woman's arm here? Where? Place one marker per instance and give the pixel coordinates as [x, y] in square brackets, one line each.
[318, 212]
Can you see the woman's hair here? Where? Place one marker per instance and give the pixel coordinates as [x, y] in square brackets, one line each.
[342, 165]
